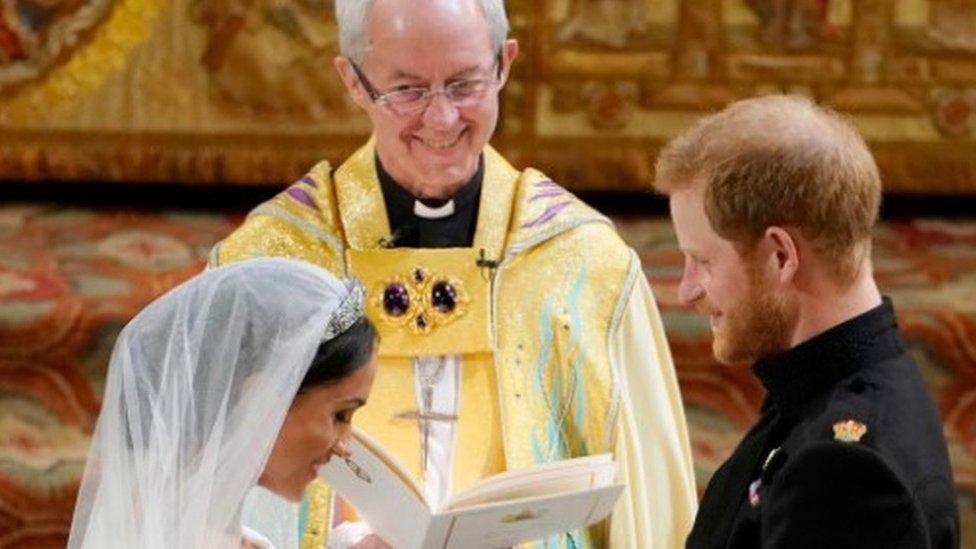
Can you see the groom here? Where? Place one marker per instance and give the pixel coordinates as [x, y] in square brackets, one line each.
[773, 201]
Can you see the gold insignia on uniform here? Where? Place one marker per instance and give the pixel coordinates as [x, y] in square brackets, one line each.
[849, 430]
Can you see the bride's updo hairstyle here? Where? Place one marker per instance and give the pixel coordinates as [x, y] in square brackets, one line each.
[341, 355]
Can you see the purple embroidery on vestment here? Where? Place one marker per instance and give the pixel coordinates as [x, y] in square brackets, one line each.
[551, 212]
[547, 194]
[300, 195]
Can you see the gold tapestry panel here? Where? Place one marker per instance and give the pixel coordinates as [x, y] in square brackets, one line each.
[244, 91]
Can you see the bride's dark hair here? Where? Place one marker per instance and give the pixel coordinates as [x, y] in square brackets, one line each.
[341, 355]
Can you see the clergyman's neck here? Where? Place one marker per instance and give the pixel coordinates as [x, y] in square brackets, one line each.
[422, 190]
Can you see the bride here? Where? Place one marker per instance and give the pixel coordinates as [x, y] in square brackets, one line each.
[246, 375]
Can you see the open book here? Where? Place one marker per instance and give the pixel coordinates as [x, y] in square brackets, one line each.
[500, 511]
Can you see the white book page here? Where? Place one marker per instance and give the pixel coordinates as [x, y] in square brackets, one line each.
[547, 479]
[381, 491]
[513, 522]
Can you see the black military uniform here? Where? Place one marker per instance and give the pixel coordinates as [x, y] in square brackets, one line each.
[848, 452]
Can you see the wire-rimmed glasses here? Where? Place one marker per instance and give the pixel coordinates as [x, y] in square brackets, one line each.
[407, 100]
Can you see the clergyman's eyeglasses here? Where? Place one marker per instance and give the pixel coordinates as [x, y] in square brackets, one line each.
[407, 100]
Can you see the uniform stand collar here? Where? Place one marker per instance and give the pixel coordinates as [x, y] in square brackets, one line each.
[796, 376]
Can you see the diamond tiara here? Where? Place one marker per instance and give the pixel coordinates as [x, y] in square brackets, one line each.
[349, 311]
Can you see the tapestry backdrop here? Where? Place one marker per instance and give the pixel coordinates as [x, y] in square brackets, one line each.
[243, 91]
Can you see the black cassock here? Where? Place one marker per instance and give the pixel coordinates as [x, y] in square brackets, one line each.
[410, 231]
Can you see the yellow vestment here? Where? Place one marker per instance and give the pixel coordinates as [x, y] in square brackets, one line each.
[576, 363]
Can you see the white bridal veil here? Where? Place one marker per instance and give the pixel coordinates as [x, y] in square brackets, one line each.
[198, 387]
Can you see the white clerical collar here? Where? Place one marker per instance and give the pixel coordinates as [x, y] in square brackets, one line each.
[426, 212]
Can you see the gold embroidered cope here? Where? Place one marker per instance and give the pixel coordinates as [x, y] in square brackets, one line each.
[537, 384]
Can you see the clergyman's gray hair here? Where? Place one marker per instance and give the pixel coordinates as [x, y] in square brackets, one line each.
[351, 16]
